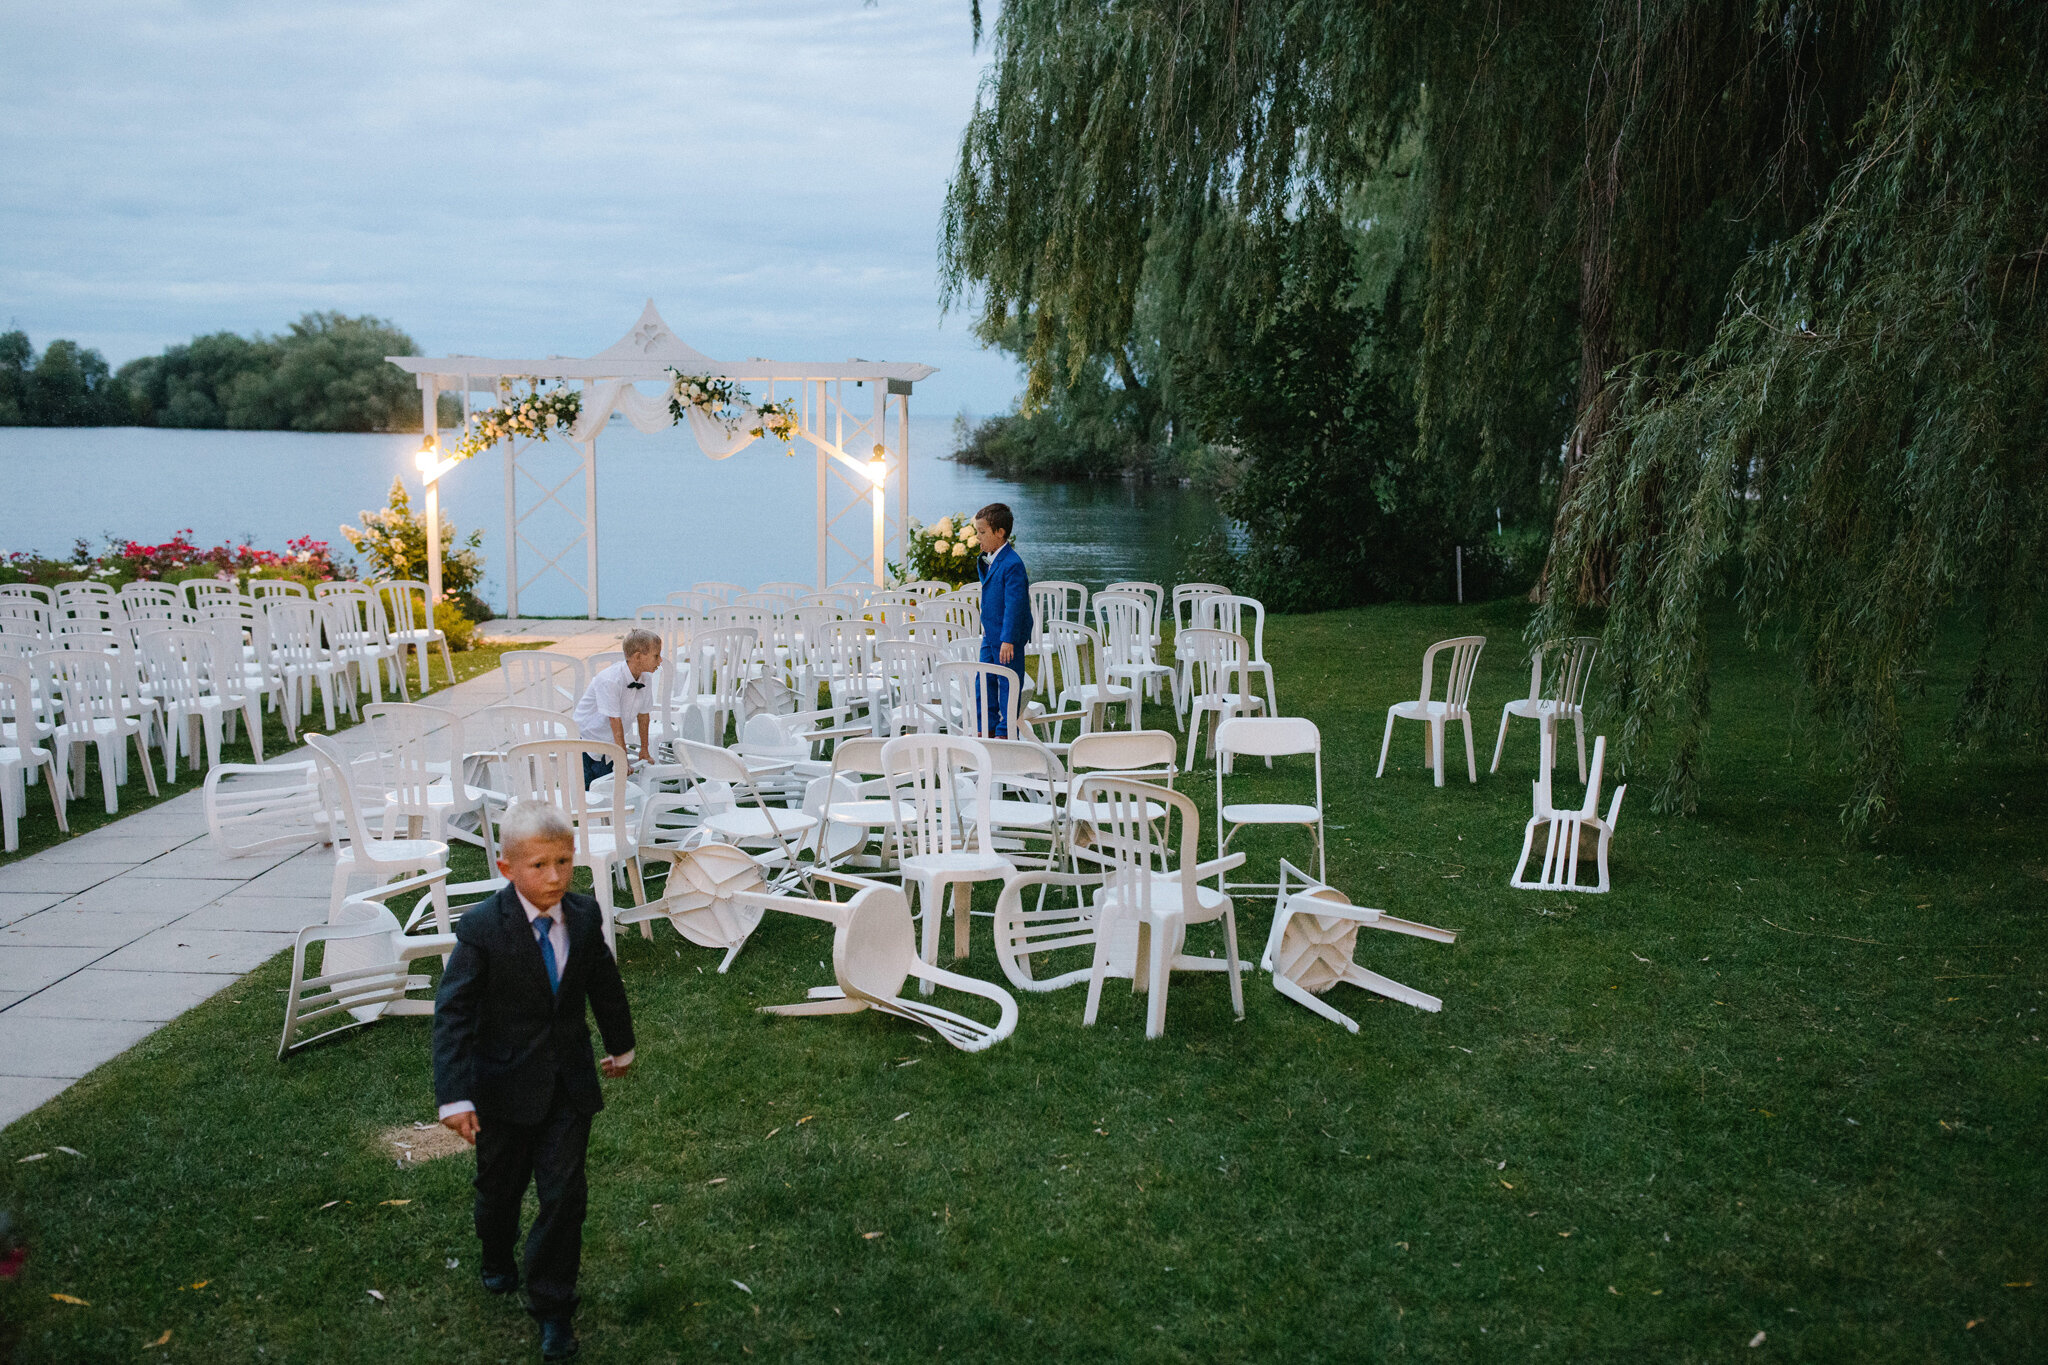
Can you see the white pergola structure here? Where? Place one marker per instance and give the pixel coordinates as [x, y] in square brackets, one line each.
[862, 442]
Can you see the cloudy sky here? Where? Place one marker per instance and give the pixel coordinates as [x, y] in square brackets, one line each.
[507, 178]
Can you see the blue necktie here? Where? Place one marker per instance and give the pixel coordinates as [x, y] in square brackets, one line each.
[541, 925]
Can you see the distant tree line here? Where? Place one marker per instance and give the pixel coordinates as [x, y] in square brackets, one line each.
[325, 372]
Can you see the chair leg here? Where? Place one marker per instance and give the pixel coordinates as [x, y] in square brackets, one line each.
[1501, 741]
[1471, 760]
[963, 899]
[1230, 956]
[1579, 729]
[142, 750]
[1385, 740]
[1436, 747]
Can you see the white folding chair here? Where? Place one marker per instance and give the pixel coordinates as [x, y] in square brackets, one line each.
[1435, 715]
[1314, 936]
[1565, 700]
[1564, 831]
[935, 848]
[1267, 737]
[874, 952]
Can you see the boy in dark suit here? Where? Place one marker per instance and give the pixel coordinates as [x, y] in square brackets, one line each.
[513, 1071]
[1005, 607]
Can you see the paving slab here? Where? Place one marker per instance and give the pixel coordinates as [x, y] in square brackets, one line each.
[152, 894]
[64, 1048]
[15, 905]
[183, 814]
[203, 858]
[11, 998]
[34, 873]
[156, 997]
[24, 1094]
[178, 949]
[310, 873]
[64, 927]
[259, 910]
[104, 846]
[32, 966]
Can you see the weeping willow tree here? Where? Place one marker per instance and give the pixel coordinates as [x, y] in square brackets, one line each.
[1663, 265]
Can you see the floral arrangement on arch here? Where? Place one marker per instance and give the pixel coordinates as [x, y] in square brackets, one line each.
[944, 551]
[726, 403]
[529, 416]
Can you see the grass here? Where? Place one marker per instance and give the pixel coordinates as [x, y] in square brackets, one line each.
[1772, 1084]
[87, 809]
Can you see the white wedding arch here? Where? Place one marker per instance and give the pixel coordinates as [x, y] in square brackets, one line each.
[843, 410]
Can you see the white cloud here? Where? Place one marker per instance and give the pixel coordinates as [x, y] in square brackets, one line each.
[506, 178]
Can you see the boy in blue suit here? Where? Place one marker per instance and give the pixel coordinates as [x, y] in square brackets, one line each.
[1005, 607]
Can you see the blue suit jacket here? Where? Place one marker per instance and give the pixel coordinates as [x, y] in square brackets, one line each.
[1005, 604]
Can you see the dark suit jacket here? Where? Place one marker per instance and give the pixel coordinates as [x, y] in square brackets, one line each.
[1005, 604]
[503, 1040]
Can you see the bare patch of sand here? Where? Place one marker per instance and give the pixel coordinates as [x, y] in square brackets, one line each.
[412, 1143]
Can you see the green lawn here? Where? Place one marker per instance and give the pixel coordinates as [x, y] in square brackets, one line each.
[87, 809]
[1772, 1084]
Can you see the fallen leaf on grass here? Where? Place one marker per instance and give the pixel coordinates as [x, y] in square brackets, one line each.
[1506, 1185]
[2019, 1284]
[160, 1341]
[196, 1284]
[71, 1151]
[396, 1203]
[771, 1133]
[1564, 1234]
[716, 1180]
[1971, 1323]
[912, 1062]
[1612, 1290]
[328, 1205]
[32, 1156]
[805, 1119]
[742, 1288]
[900, 1117]
[1757, 1340]
[71, 1299]
[379, 1297]
[869, 1236]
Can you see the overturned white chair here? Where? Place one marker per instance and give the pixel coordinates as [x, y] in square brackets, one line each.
[1564, 831]
[253, 807]
[874, 952]
[365, 964]
[701, 897]
[1315, 933]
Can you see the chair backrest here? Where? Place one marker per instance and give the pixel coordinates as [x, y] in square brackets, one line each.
[1568, 681]
[353, 616]
[1153, 595]
[1212, 657]
[1268, 736]
[33, 591]
[498, 729]
[858, 754]
[772, 602]
[405, 605]
[785, 589]
[539, 677]
[417, 747]
[180, 665]
[964, 691]
[147, 592]
[251, 806]
[18, 705]
[1142, 754]
[908, 666]
[1186, 595]
[1135, 853]
[293, 627]
[32, 612]
[85, 599]
[1057, 601]
[1464, 661]
[722, 592]
[928, 588]
[1125, 620]
[1076, 653]
[88, 685]
[924, 773]
[721, 659]
[197, 590]
[551, 770]
[336, 785]
[691, 599]
[1226, 611]
[836, 601]
[262, 588]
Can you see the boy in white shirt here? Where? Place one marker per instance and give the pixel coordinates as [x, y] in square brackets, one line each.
[616, 695]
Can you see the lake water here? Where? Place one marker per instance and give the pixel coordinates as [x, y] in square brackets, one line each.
[667, 516]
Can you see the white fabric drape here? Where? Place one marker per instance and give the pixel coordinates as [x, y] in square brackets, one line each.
[651, 415]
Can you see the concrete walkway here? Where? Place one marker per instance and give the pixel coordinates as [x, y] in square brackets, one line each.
[106, 938]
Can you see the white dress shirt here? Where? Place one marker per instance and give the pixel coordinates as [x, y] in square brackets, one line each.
[558, 938]
[609, 697]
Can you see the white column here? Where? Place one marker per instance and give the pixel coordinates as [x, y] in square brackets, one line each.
[430, 422]
[512, 528]
[814, 398]
[590, 521]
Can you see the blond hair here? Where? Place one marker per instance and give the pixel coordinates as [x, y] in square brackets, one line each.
[528, 820]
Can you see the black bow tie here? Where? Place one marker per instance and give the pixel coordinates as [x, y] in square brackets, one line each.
[636, 684]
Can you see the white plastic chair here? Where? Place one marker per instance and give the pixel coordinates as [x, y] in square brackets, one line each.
[405, 606]
[181, 666]
[1438, 715]
[365, 964]
[874, 952]
[356, 849]
[967, 699]
[1565, 831]
[1566, 698]
[252, 807]
[723, 777]
[293, 626]
[1267, 737]
[97, 711]
[700, 897]
[358, 636]
[1314, 936]
[1131, 645]
[1185, 598]
[1080, 682]
[1226, 611]
[721, 592]
[21, 755]
[934, 845]
[1217, 681]
[539, 677]
[551, 771]
[262, 589]
[1149, 898]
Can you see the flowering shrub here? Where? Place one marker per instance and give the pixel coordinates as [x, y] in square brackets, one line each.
[944, 551]
[393, 541]
[530, 416]
[176, 559]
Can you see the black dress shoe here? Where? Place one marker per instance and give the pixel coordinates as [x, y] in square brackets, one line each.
[558, 1339]
[501, 1284]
